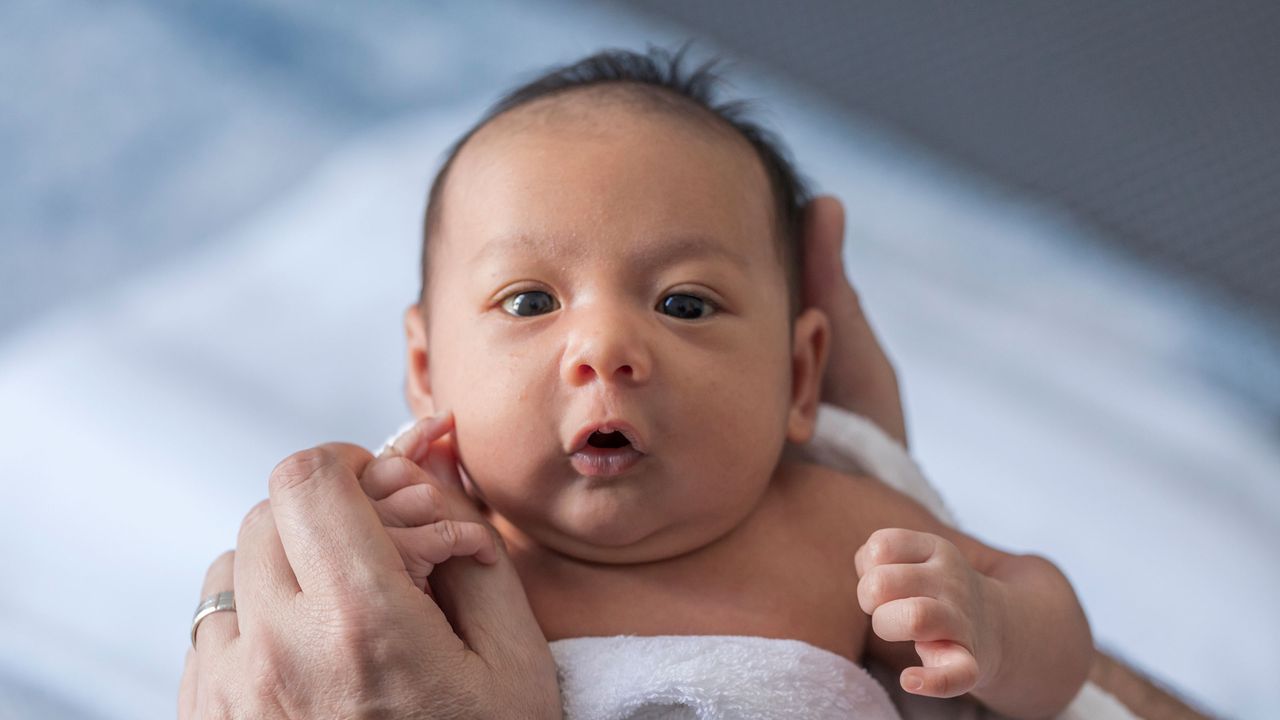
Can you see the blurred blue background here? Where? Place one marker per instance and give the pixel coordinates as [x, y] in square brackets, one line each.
[1061, 220]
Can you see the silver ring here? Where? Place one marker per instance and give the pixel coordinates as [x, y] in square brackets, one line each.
[208, 606]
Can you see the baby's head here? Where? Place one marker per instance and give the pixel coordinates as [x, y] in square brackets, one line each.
[610, 309]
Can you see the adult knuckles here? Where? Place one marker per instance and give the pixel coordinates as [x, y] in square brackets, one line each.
[227, 557]
[265, 676]
[316, 464]
[300, 468]
[368, 650]
[259, 512]
[354, 627]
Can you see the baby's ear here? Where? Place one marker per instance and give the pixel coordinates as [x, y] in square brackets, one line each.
[417, 385]
[808, 365]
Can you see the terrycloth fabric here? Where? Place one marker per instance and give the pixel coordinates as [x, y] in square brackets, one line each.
[712, 677]
[854, 445]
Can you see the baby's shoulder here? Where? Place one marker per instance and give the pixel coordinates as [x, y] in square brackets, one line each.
[842, 507]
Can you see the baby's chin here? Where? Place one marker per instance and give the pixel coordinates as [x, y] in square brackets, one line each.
[608, 528]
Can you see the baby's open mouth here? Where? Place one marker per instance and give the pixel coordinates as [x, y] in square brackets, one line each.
[609, 440]
[606, 451]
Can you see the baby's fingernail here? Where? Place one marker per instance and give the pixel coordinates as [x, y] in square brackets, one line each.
[388, 448]
[912, 683]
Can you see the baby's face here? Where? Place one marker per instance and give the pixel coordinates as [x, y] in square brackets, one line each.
[616, 271]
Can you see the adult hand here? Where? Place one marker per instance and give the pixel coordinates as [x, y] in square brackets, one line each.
[859, 376]
[329, 624]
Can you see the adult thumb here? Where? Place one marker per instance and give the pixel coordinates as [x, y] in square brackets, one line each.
[490, 612]
[823, 249]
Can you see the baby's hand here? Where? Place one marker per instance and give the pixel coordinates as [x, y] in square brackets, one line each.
[416, 489]
[918, 587]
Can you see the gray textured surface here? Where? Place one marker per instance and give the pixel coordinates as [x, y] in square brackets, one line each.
[1155, 121]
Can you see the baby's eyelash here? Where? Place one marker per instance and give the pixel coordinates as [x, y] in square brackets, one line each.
[529, 303]
[688, 305]
[705, 306]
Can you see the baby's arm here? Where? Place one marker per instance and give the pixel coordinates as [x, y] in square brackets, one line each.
[1007, 628]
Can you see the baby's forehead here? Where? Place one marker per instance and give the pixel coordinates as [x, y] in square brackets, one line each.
[535, 155]
[527, 162]
[601, 107]
[584, 114]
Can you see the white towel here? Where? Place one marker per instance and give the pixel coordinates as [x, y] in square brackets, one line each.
[712, 677]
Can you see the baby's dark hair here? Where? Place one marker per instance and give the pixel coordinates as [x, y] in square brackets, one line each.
[659, 79]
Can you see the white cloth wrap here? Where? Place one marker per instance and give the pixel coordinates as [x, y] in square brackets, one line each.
[712, 677]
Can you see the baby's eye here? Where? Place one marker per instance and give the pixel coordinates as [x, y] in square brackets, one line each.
[685, 307]
[529, 303]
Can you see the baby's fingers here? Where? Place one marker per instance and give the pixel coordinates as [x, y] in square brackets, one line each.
[894, 546]
[423, 548]
[414, 442]
[412, 506]
[949, 670]
[921, 619]
[886, 583]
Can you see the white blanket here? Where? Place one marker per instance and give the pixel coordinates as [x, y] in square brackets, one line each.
[712, 676]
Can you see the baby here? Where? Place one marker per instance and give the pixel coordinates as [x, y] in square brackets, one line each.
[610, 344]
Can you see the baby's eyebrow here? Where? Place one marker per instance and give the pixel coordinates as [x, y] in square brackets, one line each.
[667, 251]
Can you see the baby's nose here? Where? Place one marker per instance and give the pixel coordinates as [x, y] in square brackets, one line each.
[586, 372]
[608, 352]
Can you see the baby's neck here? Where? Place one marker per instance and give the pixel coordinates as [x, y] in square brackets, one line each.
[531, 553]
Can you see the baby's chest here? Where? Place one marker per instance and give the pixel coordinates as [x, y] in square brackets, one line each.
[776, 581]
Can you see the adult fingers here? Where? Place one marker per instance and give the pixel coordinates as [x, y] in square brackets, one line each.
[264, 580]
[860, 377]
[412, 506]
[423, 548]
[187, 687]
[488, 608]
[332, 537]
[949, 670]
[824, 274]
[218, 629]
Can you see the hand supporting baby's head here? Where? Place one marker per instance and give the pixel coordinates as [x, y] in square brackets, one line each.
[610, 312]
